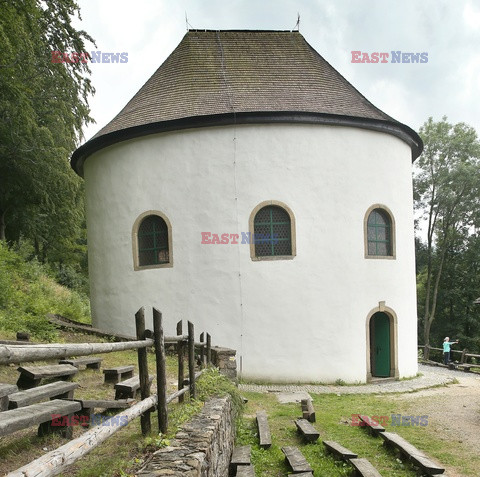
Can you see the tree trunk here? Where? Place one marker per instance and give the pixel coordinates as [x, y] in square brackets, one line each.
[2, 225]
[426, 331]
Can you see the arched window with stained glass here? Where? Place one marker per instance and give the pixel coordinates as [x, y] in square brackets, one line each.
[272, 232]
[152, 241]
[379, 233]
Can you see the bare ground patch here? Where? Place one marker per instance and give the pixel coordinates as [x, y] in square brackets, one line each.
[453, 413]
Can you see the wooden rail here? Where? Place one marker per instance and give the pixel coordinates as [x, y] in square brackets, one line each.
[19, 353]
[463, 358]
[56, 461]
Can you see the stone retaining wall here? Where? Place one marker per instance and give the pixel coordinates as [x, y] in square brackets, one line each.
[201, 448]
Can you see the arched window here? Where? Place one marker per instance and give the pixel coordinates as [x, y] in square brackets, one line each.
[152, 239]
[272, 231]
[379, 233]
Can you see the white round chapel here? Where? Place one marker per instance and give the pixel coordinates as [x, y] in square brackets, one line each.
[249, 188]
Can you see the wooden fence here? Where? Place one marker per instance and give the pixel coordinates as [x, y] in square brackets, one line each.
[56, 461]
[464, 354]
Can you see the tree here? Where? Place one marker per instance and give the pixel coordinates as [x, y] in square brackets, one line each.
[43, 106]
[447, 193]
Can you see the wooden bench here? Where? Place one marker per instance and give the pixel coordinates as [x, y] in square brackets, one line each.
[368, 423]
[30, 376]
[308, 412]
[392, 440]
[263, 430]
[245, 471]
[128, 388]
[301, 474]
[41, 414]
[339, 451]
[5, 391]
[240, 458]
[427, 466]
[363, 468]
[467, 366]
[417, 457]
[89, 406]
[57, 390]
[120, 373]
[89, 363]
[308, 432]
[296, 460]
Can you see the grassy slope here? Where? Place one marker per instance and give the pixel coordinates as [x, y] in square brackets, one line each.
[28, 293]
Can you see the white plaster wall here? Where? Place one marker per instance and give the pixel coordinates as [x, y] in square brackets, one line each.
[294, 320]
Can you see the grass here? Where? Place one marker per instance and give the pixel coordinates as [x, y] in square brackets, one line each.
[334, 417]
[28, 292]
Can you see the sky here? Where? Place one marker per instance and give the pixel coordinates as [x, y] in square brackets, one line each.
[448, 84]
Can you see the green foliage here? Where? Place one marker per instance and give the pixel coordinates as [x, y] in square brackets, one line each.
[157, 441]
[43, 106]
[447, 195]
[27, 294]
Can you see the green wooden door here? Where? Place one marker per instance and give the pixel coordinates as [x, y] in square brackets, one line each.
[380, 345]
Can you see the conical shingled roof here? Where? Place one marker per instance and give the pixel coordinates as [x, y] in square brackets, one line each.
[226, 77]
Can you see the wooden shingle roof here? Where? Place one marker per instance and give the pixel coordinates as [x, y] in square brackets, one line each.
[226, 77]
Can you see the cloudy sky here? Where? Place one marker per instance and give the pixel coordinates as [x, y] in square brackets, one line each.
[448, 30]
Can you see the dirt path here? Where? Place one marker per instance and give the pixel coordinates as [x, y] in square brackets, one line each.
[454, 411]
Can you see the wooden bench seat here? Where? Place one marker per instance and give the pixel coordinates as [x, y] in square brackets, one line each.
[263, 430]
[308, 432]
[368, 423]
[5, 391]
[467, 366]
[301, 474]
[417, 457]
[308, 412]
[296, 460]
[363, 468]
[57, 390]
[339, 451]
[427, 466]
[245, 471]
[89, 406]
[30, 376]
[241, 457]
[128, 388]
[120, 373]
[89, 363]
[404, 447]
[38, 414]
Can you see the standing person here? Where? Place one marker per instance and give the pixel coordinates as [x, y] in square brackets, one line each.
[446, 349]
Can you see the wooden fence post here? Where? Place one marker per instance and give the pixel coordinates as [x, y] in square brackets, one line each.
[462, 359]
[161, 371]
[209, 349]
[191, 360]
[203, 354]
[143, 370]
[181, 367]
[426, 352]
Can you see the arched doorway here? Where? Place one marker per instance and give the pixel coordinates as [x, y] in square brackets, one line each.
[380, 345]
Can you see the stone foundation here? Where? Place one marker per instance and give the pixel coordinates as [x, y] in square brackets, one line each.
[202, 447]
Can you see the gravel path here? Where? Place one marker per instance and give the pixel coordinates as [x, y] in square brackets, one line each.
[431, 376]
